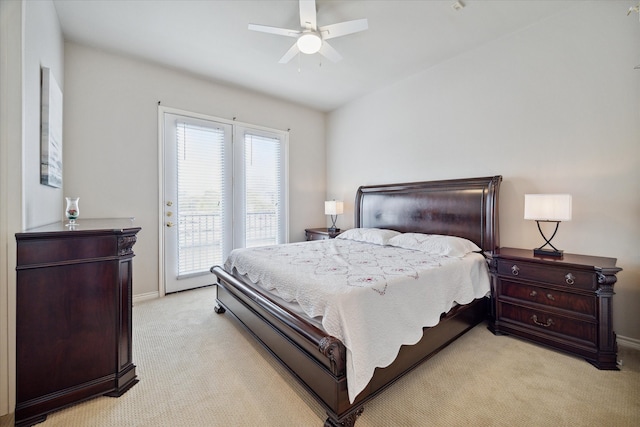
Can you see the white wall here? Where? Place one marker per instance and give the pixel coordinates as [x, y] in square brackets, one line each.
[43, 48]
[553, 108]
[30, 38]
[111, 142]
[11, 16]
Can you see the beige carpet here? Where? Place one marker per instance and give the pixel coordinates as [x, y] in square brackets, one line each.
[197, 368]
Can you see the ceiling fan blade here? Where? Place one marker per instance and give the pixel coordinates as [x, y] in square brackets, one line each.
[343, 28]
[329, 52]
[291, 53]
[274, 30]
[308, 14]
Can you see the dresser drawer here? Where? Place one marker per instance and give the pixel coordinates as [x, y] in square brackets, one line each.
[561, 276]
[583, 304]
[44, 251]
[544, 322]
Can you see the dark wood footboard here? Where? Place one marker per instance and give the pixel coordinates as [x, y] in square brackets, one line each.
[315, 358]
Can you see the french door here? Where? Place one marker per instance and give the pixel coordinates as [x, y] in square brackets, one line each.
[224, 188]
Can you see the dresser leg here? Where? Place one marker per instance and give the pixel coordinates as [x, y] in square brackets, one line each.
[607, 362]
[494, 329]
[31, 421]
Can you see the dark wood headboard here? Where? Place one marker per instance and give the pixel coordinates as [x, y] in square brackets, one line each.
[459, 207]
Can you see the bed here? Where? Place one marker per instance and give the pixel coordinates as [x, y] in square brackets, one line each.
[466, 208]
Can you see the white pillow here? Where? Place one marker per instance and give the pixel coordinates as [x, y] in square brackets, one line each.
[435, 244]
[377, 236]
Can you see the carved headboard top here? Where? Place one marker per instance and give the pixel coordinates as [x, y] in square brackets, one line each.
[459, 207]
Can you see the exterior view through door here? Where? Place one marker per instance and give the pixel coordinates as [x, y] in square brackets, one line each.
[224, 188]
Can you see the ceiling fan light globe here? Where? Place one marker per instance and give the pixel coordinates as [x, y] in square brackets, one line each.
[309, 43]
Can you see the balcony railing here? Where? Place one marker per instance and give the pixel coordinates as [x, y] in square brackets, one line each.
[200, 238]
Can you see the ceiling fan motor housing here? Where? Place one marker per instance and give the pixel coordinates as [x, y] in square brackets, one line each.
[309, 42]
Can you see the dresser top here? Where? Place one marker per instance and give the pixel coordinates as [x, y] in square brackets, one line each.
[84, 226]
[575, 260]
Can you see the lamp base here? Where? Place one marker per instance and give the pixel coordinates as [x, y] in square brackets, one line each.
[333, 230]
[546, 252]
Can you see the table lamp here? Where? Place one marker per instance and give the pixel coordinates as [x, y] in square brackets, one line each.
[547, 208]
[334, 209]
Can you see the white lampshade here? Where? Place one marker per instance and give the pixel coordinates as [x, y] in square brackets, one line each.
[309, 43]
[547, 207]
[333, 207]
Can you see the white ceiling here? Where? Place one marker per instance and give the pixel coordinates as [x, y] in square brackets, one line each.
[211, 39]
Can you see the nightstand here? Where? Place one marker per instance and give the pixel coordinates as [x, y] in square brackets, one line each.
[320, 233]
[564, 303]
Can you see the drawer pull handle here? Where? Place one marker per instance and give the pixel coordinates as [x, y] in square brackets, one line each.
[546, 325]
[515, 270]
[570, 279]
[549, 296]
[533, 293]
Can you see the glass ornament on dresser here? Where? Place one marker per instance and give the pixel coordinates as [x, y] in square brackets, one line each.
[72, 211]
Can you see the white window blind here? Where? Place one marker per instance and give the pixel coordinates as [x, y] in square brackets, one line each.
[264, 190]
[201, 198]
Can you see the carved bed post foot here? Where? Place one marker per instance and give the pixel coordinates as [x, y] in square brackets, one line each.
[219, 309]
[348, 421]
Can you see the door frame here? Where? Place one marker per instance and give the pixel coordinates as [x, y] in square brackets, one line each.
[161, 184]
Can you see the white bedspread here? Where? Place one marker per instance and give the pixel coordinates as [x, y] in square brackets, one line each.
[373, 298]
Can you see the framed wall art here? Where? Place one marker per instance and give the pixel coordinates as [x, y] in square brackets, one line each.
[51, 131]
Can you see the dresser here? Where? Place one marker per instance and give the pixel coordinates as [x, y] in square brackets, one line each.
[73, 315]
[320, 233]
[564, 303]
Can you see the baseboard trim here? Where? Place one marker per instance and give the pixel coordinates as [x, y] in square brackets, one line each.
[145, 297]
[628, 342]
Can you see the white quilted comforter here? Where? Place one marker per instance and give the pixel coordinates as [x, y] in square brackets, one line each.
[373, 298]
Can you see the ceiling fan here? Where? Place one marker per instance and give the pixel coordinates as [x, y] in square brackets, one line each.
[311, 38]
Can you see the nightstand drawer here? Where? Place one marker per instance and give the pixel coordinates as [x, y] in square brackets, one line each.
[548, 323]
[584, 304]
[321, 233]
[566, 277]
[317, 236]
